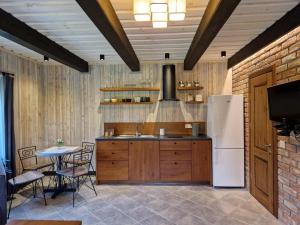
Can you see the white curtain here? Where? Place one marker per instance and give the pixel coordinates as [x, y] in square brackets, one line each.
[2, 128]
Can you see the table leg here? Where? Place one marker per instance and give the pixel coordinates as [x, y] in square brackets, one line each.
[60, 188]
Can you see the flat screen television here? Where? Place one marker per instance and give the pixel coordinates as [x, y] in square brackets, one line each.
[284, 102]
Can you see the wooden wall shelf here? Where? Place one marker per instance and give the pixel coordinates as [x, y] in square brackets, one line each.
[125, 103]
[111, 89]
[194, 102]
[189, 88]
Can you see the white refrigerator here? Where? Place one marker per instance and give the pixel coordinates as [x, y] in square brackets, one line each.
[225, 125]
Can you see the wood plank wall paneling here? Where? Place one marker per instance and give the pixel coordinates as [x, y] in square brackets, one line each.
[55, 101]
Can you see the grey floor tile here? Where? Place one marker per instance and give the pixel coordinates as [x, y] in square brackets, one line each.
[156, 220]
[191, 220]
[173, 214]
[140, 213]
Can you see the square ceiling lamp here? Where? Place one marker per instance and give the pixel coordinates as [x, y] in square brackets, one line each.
[159, 11]
[177, 10]
[141, 10]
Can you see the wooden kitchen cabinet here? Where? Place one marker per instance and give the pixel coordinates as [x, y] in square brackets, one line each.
[112, 161]
[201, 161]
[144, 160]
[138, 161]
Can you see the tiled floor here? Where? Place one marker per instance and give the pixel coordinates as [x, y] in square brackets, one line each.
[151, 205]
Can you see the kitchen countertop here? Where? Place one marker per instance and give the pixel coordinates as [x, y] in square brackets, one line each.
[115, 138]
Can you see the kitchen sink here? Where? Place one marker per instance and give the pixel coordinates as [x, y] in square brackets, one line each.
[134, 136]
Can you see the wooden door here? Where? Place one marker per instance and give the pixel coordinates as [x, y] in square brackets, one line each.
[201, 161]
[262, 154]
[143, 160]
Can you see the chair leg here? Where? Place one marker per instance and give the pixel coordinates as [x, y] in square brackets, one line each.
[93, 185]
[74, 189]
[43, 190]
[11, 199]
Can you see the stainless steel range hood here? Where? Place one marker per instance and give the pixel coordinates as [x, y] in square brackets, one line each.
[169, 83]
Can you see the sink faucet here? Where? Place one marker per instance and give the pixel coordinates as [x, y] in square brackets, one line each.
[137, 130]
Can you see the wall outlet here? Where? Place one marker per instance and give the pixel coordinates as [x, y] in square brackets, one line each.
[281, 144]
[188, 125]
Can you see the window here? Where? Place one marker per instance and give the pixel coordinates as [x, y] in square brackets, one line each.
[2, 128]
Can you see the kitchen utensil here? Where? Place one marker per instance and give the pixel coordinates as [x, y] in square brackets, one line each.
[181, 84]
[190, 98]
[137, 99]
[195, 129]
[196, 84]
[198, 98]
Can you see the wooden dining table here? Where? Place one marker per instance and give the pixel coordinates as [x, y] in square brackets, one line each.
[58, 153]
[43, 222]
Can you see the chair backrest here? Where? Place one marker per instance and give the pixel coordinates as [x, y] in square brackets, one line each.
[82, 158]
[27, 153]
[88, 146]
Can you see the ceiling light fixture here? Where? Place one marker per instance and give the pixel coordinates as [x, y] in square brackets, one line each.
[223, 54]
[141, 10]
[46, 58]
[177, 9]
[102, 57]
[159, 11]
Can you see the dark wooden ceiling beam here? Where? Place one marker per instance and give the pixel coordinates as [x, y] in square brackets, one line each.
[103, 15]
[19, 32]
[285, 24]
[215, 16]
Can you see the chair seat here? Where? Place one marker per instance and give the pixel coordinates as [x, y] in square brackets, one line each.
[78, 162]
[69, 172]
[26, 177]
[39, 166]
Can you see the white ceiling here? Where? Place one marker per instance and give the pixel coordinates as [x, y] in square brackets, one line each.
[65, 22]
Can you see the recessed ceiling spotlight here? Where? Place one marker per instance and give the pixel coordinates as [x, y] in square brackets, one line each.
[167, 55]
[46, 58]
[223, 54]
[102, 57]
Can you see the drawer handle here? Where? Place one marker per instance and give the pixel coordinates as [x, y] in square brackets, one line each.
[194, 143]
[131, 143]
[175, 163]
[175, 153]
[112, 163]
[112, 153]
[113, 143]
[175, 143]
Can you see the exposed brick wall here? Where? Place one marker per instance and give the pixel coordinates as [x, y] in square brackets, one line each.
[285, 55]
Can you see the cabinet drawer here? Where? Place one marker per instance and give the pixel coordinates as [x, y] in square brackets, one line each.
[112, 170]
[112, 155]
[175, 155]
[175, 145]
[113, 145]
[175, 170]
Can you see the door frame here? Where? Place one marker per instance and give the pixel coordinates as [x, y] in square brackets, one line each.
[269, 69]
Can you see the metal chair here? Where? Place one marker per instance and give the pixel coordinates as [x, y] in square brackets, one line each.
[28, 154]
[23, 180]
[86, 146]
[81, 164]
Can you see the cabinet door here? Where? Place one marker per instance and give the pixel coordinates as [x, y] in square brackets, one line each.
[143, 160]
[201, 161]
[112, 170]
[151, 161]
[175, 170]
[136, 160]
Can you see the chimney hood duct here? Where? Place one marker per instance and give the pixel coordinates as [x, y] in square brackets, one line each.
[169, 83]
